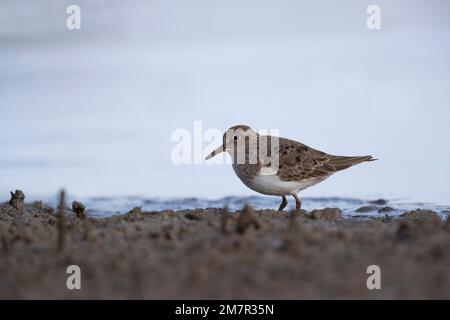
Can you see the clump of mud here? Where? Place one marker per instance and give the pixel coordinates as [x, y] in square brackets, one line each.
[217, 254]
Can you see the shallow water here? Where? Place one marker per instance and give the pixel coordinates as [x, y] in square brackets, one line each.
[106, 206]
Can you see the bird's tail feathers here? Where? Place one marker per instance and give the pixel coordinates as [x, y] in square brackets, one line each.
[341, 162]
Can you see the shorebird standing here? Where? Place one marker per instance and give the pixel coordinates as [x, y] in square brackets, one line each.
[286, 169]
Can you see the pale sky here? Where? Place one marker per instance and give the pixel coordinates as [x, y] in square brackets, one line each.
[93, 110]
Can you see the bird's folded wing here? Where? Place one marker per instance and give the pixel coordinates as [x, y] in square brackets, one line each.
[298, 162]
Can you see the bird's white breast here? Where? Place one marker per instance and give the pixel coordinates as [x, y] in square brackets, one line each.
[273, 185]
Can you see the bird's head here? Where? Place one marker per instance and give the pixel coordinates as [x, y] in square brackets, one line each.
[236, 135]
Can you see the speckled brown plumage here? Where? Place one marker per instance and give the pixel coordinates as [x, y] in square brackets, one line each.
[298, 161]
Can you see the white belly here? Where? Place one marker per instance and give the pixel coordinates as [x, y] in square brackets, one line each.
[273, 185]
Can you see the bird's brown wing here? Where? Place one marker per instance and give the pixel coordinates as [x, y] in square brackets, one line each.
[298, 161]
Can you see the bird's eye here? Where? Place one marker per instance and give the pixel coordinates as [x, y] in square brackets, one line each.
[236, 138]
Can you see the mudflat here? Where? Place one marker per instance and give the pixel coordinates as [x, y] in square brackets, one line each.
[213, 254]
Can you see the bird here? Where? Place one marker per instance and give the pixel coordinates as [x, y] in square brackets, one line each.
[278, 166]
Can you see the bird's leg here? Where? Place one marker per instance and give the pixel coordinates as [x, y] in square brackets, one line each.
[298, 202]
[283, 204]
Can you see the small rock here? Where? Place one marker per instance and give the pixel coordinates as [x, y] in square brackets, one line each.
[386, 209]
[49, 211]
[421, 214]
[134, 215]
[192, 216]
[79, 209]
[329, 214]
[17, 200]
[379, 202]
[366, 209]
[246, 219]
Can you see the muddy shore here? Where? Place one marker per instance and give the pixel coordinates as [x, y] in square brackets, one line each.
[213, 254]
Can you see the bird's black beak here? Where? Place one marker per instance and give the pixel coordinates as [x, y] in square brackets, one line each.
[215, 152]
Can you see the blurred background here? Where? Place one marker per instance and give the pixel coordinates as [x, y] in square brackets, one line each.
[93, 110]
